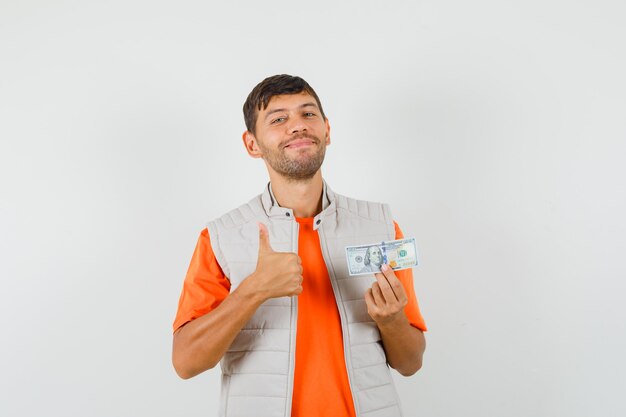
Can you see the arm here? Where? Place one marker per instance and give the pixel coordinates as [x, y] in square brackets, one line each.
[200, 344]
[404, 344]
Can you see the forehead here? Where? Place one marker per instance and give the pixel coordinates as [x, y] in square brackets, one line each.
[288, 101]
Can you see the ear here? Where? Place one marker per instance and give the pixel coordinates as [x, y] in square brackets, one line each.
[251, 145]
[327, 132]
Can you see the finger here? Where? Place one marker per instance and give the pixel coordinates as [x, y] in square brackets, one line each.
[369, 301]
[298, 290]
[385, 288]
[264, 240]
[378, 295]
[394, 283]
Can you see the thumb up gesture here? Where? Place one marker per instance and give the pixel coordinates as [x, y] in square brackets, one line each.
[277, 274]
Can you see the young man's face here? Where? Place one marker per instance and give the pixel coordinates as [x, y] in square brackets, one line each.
[291, 136]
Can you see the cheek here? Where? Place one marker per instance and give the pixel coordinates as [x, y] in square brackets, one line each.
[271, 139]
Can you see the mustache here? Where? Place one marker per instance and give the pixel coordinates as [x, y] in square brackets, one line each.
[297, 137]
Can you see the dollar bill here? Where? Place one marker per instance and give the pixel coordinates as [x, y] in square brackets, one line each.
[367, 259]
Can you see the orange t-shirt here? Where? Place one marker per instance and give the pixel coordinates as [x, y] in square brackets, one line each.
[321, 387]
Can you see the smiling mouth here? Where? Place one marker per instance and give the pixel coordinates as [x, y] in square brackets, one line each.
[299, 143]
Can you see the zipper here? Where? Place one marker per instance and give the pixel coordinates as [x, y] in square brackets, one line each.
[293, 323]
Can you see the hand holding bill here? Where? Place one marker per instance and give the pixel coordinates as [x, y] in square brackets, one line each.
[386, 298]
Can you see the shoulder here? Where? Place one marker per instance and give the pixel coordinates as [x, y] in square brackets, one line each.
[363, 208]
[239, 216]
[229, 229]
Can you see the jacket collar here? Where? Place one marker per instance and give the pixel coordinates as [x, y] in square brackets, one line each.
[273, 210]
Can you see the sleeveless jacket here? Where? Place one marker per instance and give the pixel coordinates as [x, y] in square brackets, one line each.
[258, 368]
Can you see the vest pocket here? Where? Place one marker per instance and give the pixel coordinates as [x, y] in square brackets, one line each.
[367, 354]
[255, 362]
[261, 339]
[365, 332]
[372, 376]
[356, 311]
[258, 385]
[354, 288]
[272, 316]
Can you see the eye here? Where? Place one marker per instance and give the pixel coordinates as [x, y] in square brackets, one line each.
[309, 114]
[277, 120]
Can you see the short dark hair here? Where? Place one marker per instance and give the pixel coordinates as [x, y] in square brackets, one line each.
[260, 96]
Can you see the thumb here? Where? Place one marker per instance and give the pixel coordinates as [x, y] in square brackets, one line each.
[264, 240]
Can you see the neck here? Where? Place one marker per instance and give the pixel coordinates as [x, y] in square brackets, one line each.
[303, 197]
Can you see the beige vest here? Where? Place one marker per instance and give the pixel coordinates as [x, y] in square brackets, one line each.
[258, 368]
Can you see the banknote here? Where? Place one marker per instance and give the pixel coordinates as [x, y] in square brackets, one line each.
[367, 259]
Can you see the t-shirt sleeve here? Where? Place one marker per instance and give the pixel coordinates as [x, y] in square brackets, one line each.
[405, 276]
[205, 285]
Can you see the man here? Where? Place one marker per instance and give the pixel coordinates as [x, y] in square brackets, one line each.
[373, 260]
[268, 294]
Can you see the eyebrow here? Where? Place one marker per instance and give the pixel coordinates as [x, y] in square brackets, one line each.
[310, 104]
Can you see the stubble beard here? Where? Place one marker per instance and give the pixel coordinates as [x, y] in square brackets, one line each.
[299, 167]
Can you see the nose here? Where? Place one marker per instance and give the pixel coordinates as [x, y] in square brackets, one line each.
[296, 124]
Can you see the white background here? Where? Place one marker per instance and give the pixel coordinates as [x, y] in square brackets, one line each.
[495, 129]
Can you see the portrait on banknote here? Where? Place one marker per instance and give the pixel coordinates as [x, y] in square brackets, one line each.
[372, 260]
